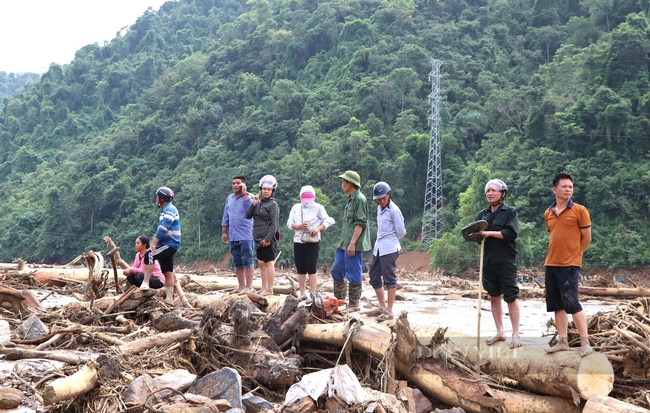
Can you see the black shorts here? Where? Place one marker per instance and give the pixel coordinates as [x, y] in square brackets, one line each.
[265, 254]
[382, 270]
[306, 257]
[501, 279]
[137, 278]
[562, 289]
[165, 257]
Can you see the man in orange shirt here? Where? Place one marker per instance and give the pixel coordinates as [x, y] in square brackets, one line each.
[570, 227]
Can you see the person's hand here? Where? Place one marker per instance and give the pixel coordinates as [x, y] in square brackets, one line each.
[351, 250]
[256, 199]
[243, 188]
[127, 271]
[224, 237]
[265, 243]
[303, 226]
[313, 232]
[152, 248]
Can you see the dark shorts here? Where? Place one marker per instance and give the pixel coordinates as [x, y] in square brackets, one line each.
[562, 289]
[306, 257]
[382, 271]
[265, 254]
[137, 278]
[165, 257]
[501, 279]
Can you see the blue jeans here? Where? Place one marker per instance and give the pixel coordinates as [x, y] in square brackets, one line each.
[347, 267]
[242, 253]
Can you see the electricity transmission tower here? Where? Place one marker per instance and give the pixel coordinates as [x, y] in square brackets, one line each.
[432, 217]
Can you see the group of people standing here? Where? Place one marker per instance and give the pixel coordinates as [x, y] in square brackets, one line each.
[251, 222]
[569, 226]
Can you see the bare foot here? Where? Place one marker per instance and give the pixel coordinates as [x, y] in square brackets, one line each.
[585, 347]
[169, 301]
[562, 345]
[495, 339]
[238, 290]
[515, 343]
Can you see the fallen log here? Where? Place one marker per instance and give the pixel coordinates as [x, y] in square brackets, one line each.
[162, 339]
[614, 292]
[604, 404]
[216, 283]
[67, 356]
[67, 388]
[438, 381]
[564, 374]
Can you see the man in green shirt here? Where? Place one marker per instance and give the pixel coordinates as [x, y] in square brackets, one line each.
[355, 238]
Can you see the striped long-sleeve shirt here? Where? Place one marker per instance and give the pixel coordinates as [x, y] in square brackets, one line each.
[169, 227]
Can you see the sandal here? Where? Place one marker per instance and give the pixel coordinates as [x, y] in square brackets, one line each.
[384, 316]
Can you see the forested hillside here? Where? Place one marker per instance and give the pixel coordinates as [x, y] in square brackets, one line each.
[11, 83]
[202, 90]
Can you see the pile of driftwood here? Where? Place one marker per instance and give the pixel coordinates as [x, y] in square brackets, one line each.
[108, 338]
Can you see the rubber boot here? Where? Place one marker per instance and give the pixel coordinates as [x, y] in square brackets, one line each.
[354, 295]
[340, 289]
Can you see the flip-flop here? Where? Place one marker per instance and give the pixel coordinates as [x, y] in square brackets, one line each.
[384, 316]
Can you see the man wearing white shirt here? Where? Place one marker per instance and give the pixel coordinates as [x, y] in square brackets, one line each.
[390, 229]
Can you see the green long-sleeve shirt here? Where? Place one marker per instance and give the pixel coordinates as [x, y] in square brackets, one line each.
[355, 214]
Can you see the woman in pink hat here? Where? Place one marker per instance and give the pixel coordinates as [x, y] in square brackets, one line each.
[307, 219]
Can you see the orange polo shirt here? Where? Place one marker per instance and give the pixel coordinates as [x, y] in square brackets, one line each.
[565, 246]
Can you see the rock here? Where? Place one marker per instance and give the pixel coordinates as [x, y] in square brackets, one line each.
[452, 410]
[141, 387]
[32, 329]
[220, 384]
[195, 404]
[453, 297]
[137, 392]
[5, 333]
[179, 379]
[10, 398]
[307, 405]
[422, 404]
[36, 369]
[256, 404]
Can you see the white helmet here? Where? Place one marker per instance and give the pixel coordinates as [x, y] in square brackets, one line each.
[499, 185]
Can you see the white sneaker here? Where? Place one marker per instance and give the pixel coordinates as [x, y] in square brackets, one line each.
[144, 287]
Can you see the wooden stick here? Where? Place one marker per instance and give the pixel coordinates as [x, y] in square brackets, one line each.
[632, 339]
[111, 254]
[123, 298]
[478, 328]
[181, 294]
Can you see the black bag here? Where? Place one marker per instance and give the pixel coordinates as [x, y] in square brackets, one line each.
[277, 234]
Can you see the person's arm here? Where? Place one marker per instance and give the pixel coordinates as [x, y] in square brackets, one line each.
[398, 221]
[355, 236]
[291, 222]
[250, 212]
[225, 223]
[585, 238]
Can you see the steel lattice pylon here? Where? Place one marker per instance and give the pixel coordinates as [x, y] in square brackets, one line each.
[432, 216]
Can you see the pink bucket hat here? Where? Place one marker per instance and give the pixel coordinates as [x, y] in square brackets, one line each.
[307, 194]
